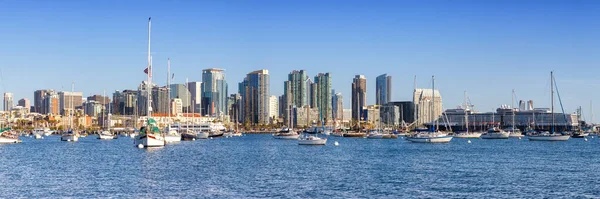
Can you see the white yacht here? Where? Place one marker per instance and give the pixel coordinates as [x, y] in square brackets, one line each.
[375, 135]
[467, 133]
[286, 134]
[106, 135]
[70, 135]
[514, 133]
[7, 136]
[433, 135]
[172, 136]
[311, 140]
[495, 133]
[550, 136]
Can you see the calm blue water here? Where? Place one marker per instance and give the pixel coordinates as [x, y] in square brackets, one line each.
[258, 166]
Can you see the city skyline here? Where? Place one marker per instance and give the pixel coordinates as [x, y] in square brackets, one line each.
[400, 45]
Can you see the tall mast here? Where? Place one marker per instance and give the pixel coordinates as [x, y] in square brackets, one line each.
[414, 104]
[149, 85]
[512, 108]
[552, 97]
[105, 113]
[169, 85]
[433, 102]
[71, 106]
[466, 113]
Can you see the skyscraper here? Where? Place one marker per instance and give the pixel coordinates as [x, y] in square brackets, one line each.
[359, 96]
[160, 100]
[181, 91]
[8, 101]
[257, 97]
[323, 96]
[298, 87]
[99, 99]
[273, 107]
[24, 103]
[125, 102]
[337, 102]
[38, 100]
[383, 89]
[51, 104]
[312, 94]
[214, 92]
[195, 89]
[69, 101]
[423, 100]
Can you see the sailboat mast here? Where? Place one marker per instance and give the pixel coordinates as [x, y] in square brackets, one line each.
[433, 102]
[71, 106]
[169, 85]
[552, 97]
[149, 85]
[512, 108]
[104, 115]
[466, 113]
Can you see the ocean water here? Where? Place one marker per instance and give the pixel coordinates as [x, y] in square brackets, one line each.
[258, 166]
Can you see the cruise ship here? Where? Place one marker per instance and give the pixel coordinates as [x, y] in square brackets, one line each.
[538, 118]
[202, 127]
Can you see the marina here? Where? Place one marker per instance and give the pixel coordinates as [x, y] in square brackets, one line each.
[255, 165]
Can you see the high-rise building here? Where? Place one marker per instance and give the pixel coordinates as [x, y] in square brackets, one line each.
[423, 100]
[406, 110]
[214, 92]
[359, 96]
[273, 107]
[69, 101]
[50, 104]
[160, 100]
[195, 89]
[312, 94]
[8, 101]
[337, 103]
[383, 89]
[38, 100]
[104, 100]
[235, 108]
[256, 97]
[323, 96]
[298, 87]
[93, 108]
[181, 91]
[24, 103]
[287, 102]
[125, 103]
[176, 106]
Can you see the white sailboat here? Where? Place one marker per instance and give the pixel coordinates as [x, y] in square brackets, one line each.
[149, 135]
[106, 134]
[171, 135]
[513, 131]
[307, 139]
[552, 135]
[70, 135]
[467, 133]
[433, 136]
[287, 133]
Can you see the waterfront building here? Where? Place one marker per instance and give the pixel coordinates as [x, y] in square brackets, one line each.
[195, 89]
[93, 108]
[69, 101]
[234, 109]
[50, 104]
[256, 97]
[8, 101]
[125, 103]
[104, 100]
[273, 107]
[423, 99]
[383, 89]
[297, 88]
[160, 100]
[359, 96]
[181, 91]
[176, 107]
[38, 100]
[323, 96]
[24, 103]
[214, 92]
[337, 102]
[312, 94]
[372, 115]
[406, 112]
[390, 114]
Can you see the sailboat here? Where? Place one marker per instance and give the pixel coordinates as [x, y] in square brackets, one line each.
[171, 135]
[106, 134]
[467, 133]
[149, 135]
[287, 133]
[513, 131]
[70, 135]
[552, 135]
[433, 136]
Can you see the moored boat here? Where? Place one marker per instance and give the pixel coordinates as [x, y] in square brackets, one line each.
[311, 140]
[286, 134]
[495, 133]
[7, 136]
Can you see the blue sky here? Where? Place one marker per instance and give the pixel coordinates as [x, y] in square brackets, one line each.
[484, 47]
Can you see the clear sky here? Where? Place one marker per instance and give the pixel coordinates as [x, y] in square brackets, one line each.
[484, 47]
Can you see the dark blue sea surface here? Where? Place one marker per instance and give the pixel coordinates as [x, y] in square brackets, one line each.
[258, 166]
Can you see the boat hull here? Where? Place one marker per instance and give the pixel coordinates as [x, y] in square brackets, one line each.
[286, 137]
[69, 138]
[355, 134]
[150, 140]
[375, 136]
[443, 139]
[188, 136]
[173, 138]
[321, 141]
[580, 135]
[467, 135]
[495, 136]
[549, 138]
[516, 135]
[202, 135]
[5, 140]
[105, 137]
[37, 136]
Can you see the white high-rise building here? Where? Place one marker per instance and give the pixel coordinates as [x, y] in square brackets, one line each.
[423, 100]
[273, 106]
[8, 101]
[195, 89]
[176, 106]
